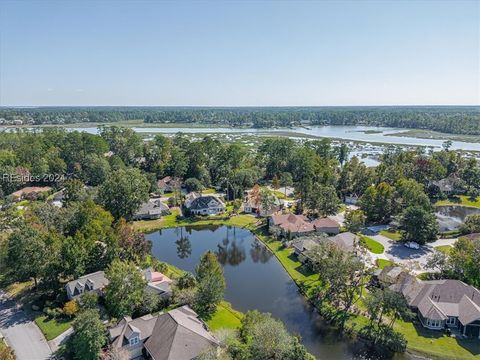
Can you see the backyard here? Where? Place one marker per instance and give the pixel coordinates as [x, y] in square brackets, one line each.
[460, 200]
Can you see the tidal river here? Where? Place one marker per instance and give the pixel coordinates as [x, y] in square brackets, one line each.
[256, 280]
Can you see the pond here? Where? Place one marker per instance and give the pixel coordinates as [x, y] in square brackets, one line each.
[450, 217]
[255, 280]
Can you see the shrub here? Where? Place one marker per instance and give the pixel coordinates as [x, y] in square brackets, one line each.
[70, 308]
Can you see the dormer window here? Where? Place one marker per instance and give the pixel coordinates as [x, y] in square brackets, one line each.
[134, 341]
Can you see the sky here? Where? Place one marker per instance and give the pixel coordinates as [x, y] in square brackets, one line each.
[248, 53]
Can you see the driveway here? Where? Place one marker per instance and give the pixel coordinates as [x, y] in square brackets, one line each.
[21, 334]
[411, 258]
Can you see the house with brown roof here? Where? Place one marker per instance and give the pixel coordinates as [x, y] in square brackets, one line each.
[326, 225]
[167, 184]
[289, 225]
[176, 335]
[442, 304]
[29, 192]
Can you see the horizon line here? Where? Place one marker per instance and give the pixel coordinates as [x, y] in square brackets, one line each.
[245, 106]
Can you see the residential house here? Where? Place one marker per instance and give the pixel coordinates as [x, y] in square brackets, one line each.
[442, 304]
[189, 198]
[449, 186]
[206, 205]
[29, 192]
[289, 225]
[352, 199]
[152, 209]
[176, 335]
[252, 206]
[167, 184]
[158, 283]
[389, 275]
[326, 225]
[346, 241]
[94, 282]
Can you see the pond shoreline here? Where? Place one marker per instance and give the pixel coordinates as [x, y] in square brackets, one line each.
[256, 229]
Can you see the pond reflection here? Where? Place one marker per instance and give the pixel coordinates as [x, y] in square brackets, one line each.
[255, 280]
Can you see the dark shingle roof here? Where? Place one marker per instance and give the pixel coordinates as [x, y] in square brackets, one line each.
[204, 201]
[179, 335]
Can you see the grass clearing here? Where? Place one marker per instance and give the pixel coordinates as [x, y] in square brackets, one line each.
[393, 235]
[225, 317]
[51, 328]
[436, 344]
[372, 245]
[382, 263]
[446, 249]
[463, 200]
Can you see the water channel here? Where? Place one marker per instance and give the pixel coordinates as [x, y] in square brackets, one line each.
[256, 280]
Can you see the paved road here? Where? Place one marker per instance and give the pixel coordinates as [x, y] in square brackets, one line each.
[22, 334]
[414, 259]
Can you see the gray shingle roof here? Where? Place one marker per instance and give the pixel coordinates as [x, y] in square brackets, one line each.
[179, 335]
[204, 201]
[126, 327]
[96, 281]
[439, 299]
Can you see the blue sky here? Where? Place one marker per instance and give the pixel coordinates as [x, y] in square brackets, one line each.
[239, 53]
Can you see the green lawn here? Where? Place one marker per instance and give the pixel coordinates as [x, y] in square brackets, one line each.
[436, 344]
[394, 235]
[444, 248]
[225, 317]
[209, 191]
[372, 245]
[52, 328]
[301, 274]
[381, 263]
[170, 221]
[281, 195]
[460, 200]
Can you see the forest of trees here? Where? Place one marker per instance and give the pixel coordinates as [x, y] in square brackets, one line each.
[447, 119]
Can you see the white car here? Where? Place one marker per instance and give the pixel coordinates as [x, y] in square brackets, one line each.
[412, 245]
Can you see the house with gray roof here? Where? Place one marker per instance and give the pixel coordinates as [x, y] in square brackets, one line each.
[346, 241]
[94, 282]
[206, 205]
[150, 210]
[442, 304]
[176, 335]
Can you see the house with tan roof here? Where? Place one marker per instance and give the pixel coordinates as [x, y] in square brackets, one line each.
[326, 225]
[442, 304]
[289, 225]
[176, 335]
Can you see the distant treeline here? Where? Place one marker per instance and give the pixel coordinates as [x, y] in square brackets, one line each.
[448, 119]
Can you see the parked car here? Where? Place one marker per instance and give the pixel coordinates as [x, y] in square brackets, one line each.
[412, 245]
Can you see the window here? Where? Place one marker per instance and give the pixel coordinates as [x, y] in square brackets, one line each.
[134, 341]
[433, 323]
[451, 321]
